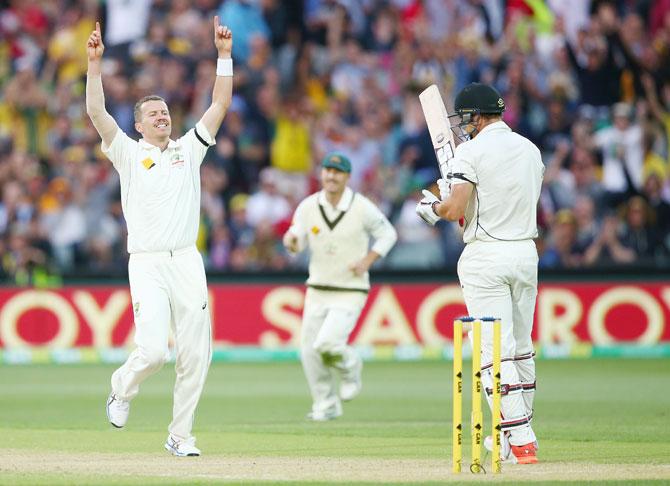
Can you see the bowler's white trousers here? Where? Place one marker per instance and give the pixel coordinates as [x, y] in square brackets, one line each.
[169, 289]
[499, 279]
[328, 319]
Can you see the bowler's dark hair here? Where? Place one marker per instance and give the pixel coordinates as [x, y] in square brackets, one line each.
[137, 111]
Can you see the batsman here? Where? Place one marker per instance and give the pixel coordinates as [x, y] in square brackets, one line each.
[496, 177]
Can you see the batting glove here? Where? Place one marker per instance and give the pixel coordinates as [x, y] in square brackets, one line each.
[424, 208]
[445, 188]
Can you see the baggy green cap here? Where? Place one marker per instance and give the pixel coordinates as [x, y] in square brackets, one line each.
[337, 161]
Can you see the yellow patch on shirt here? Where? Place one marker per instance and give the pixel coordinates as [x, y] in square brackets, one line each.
[148, 163]
[316, 230]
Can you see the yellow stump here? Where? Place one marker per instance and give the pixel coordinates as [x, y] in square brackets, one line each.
[476, 419]
[495, 422]
[457, 416]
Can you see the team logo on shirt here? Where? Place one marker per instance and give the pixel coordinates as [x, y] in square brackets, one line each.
[148, 163]
[177, 160]
[315, 230]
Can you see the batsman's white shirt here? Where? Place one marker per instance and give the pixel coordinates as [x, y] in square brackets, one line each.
[160, 191]
[506, 170]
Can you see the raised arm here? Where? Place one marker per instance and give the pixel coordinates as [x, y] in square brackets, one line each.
[655, 106]
[95, 97]
[223, 86]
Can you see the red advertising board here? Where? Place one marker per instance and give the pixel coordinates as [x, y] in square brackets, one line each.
[269, 315]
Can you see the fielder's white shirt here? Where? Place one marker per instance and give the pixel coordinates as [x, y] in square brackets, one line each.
[506, 170]
[160, 191]
[340, 236]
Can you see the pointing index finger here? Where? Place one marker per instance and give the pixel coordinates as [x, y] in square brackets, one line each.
[216, 22]
[97, 27]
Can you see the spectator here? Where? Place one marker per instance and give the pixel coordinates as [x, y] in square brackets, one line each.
[27, 101]
[245, 18]
[607, 248]
[639, 234]
[621, 146]
[220, 246]
[267, 204]
[65, 223]
[290, 151]
[588, 227]
[652, 191]
[126, 23]
[563, 250]
[242, 232]
[565, 183]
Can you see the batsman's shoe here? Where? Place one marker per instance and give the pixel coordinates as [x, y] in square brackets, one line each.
[525, 454]
[117, 411]
[181, 448]
[506, 455]
[352, 382]
[331, 413]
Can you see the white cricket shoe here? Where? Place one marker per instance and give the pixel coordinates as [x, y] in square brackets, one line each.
[506, 455]
[117, 411]
[181, 448]
[330, 413]
[352, 382]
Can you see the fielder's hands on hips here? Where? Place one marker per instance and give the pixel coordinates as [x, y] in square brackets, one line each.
[424, 208]
[362, 265]
[223, 38]
[445, 188]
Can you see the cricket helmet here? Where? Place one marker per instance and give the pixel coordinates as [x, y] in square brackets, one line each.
[475, 99]
[479, 98]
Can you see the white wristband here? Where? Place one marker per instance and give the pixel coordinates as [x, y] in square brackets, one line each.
[224, 67]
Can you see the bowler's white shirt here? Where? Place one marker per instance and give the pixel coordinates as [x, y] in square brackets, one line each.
[506, 170]
[160, 191]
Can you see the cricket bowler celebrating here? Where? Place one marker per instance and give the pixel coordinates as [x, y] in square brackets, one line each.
[336, 225]
[160, 196]
[495, 186]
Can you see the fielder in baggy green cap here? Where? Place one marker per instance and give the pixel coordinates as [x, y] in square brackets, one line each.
[337, 161]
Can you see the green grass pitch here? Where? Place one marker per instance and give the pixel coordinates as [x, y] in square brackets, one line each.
[597, 420]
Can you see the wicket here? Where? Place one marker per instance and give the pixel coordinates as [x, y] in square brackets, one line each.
[476, 418]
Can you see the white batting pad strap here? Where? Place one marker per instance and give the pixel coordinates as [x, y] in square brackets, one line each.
[224, 67]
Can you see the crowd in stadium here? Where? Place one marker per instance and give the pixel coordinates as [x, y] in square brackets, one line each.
[588, 82]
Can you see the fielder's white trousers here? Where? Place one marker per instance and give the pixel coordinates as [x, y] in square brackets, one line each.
[169, 289]
[499, 279]
[328, 319]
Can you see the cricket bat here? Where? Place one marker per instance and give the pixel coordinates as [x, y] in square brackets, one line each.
[439, 128]
[441, 135]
